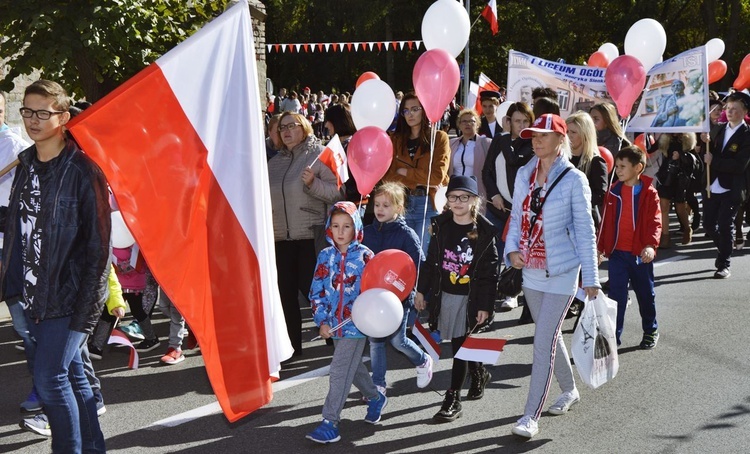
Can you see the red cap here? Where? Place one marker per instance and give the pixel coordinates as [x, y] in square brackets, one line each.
[306, 89]
[546, 123]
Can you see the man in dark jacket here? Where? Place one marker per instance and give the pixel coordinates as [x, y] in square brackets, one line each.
[57, 233]
[727, 164]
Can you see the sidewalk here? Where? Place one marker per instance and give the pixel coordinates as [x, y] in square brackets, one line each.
[4, 314]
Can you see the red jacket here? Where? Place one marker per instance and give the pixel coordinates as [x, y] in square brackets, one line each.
[647, 222]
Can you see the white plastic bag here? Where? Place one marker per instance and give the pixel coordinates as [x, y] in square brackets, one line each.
[594, 347]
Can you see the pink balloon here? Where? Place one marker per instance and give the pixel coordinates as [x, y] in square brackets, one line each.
[436, 78]
[369, 154]
[625, 79]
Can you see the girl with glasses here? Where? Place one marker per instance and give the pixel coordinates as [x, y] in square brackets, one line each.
[459, 282]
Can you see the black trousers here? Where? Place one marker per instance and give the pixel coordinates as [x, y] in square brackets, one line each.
[719, 212]
[295, 264]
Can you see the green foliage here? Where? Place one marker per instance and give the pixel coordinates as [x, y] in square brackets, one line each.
[92, 47]
[571, 30]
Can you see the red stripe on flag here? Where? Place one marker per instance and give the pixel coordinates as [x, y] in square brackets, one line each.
[484, 343]
[157, 167]
[424, 337]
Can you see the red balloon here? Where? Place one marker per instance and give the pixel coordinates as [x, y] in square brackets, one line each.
[369, 155]
[391, 270]
[436, 78]
[743, 80]
[366, 76]
[608, 158]
[625, 79]
[598, 60]
[716, 70]
[640, 142]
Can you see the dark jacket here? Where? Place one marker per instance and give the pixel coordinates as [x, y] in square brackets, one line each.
[516, 153]
[394, 235]
[484, 128]
[483, 272]
[75, 255]
[730, 163]
[598, 182]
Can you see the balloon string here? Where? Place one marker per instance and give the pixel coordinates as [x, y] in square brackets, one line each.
[335, 328]
[433, 133]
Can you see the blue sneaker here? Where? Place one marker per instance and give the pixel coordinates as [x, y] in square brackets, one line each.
[33, 403]
[326, 432]
[133, 329]
[375, 408]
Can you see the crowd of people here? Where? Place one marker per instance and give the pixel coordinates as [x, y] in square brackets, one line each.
[499, 173]
[529, 190]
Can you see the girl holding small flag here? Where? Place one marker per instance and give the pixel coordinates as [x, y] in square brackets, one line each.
[459, 283]
[389, 231]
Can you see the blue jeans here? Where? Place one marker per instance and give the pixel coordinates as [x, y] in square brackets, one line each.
[415, 215]
[401, 343]
[21, 326]
[62, 385]
[625, 267]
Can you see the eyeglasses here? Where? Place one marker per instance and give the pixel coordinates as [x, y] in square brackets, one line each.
[40, 114]
[289, 127]
[463, 197]
[414, 110]
[468, 122]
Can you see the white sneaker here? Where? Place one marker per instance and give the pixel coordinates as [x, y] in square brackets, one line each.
[381, 390]
[424, 373]
[509, 303]
[526, 427]
[564, 402]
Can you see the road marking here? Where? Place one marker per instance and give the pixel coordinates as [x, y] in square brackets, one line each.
[215, 409]
[676, 258]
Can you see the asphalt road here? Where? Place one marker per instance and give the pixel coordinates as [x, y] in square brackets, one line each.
[689, 395]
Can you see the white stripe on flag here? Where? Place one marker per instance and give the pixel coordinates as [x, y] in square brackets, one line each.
[429, 344]
[483, 350]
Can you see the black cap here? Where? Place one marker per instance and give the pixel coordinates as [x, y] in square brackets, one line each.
[741, 96]
[488, 94]
[463, 183]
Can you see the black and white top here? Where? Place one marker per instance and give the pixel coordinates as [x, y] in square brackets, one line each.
[31, 230]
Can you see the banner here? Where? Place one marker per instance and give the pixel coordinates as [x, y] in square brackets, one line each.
[676, 96]
[577, 87]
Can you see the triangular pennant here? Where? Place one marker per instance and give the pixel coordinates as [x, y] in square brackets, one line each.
[320, 47]
[307, 47]
[380, 46]
[276, 47]
[290, 47]
[418, 43]
[328, 46]
[298, 46]
[339, 46]
[268, 48]
[349, 47]
[371, 45]
[411, 44]
[401, 44]
[283, 47]
[394, 44]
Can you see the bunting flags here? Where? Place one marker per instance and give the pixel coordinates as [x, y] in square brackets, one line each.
[372, 46]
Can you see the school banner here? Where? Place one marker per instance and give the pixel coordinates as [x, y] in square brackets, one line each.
[676, 96]
[578, 87]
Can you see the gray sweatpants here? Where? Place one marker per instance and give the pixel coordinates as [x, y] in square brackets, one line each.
[177, 329]
[347, 369]
[550, 354]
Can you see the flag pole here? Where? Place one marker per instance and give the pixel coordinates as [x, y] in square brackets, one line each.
[466, 58]
[9, 167]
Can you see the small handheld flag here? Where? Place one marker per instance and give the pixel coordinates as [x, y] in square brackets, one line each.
[431, 347]
[481, 349]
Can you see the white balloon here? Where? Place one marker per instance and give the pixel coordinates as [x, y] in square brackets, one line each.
[377, 312]
[714, 49]
[446, 25]
[121, 236]
[646, 40]
[441, 198]
[502, 110]
[373, 104]
[610, 51]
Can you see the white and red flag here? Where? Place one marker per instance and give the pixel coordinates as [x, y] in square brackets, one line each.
[334, 157]
[490, 13]
[120, 339]
[484, 83]
[182, 147]
[481, 350]
[431, 347]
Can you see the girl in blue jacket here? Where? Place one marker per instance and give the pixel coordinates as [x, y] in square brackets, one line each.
[389, 231]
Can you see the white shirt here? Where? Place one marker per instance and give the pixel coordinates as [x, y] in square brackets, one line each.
[11, 143]
[463, 158]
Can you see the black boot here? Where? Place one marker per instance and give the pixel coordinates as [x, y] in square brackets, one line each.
[451, 409]
[479, 379]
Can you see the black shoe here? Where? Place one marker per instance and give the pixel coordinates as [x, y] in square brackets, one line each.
[722, 273]
[148, 345]
[649, 341]
[95, 353]
[451, 409]
[479, 379]
[696, 224]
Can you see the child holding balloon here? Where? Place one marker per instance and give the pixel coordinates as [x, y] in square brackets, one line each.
[459, 283]
[389, 231]
[335, 286]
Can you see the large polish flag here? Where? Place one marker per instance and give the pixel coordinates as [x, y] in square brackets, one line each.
[181, 144]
